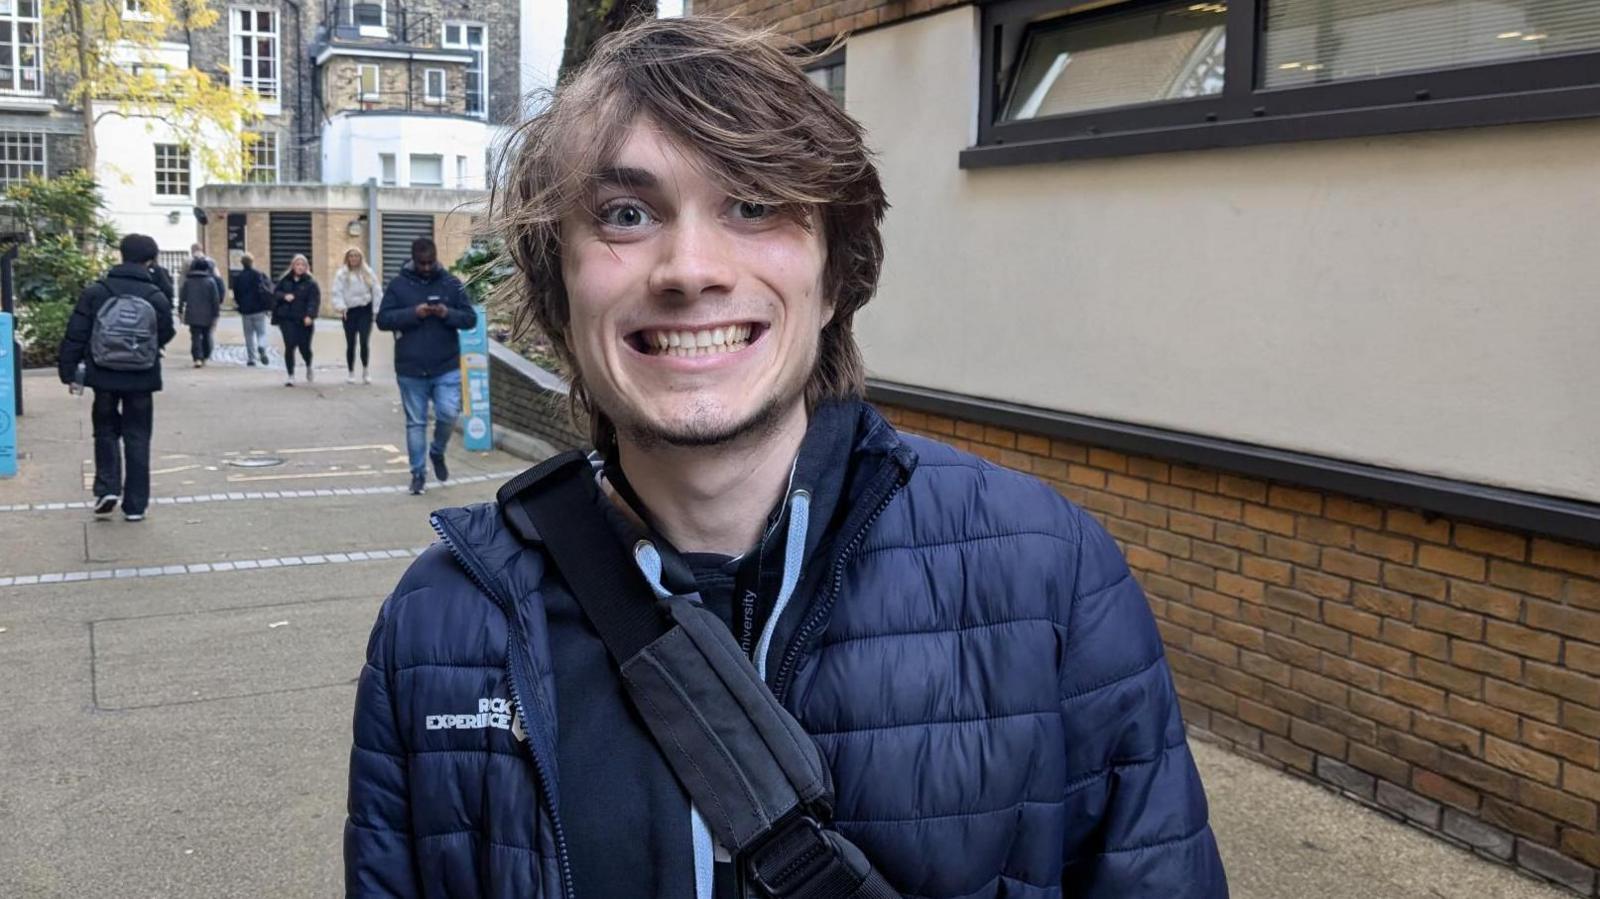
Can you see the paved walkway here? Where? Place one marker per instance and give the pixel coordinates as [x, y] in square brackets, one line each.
[176, 694]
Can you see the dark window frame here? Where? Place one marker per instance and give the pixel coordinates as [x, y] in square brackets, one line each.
[1537, 90]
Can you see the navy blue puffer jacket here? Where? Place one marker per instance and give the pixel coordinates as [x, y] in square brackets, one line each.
[978, 667]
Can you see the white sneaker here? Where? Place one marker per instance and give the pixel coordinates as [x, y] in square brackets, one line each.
[350, 378]
[133, 516]
[289, 381]
[104, 504]
[366, 376]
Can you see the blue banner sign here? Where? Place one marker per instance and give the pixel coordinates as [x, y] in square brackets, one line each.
[8, 400]
[476, 423]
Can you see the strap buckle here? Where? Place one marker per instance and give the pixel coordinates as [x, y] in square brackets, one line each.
[791, 857]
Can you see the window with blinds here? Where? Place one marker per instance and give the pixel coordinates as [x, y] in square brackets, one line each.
[1316, 41]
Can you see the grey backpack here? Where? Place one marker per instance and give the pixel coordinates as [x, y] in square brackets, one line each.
[124, 334]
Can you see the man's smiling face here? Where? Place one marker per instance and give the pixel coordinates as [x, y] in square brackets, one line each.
[695, 316]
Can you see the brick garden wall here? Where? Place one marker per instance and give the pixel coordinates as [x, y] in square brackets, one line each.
[523, 405]
[1441, 670]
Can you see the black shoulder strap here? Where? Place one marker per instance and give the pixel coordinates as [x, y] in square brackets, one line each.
[758, 780]
[562, 506]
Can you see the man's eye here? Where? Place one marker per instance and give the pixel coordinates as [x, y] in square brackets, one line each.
[754, 212]
[625, 215]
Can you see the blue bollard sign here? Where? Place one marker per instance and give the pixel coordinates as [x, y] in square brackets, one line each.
[476, 423]
[8, 400]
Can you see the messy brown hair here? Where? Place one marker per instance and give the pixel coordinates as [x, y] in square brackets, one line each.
[741, 103]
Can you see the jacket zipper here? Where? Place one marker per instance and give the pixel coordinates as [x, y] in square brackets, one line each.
[819, 613]
[513, 657]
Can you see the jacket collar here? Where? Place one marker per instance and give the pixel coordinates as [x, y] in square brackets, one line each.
[131, 271]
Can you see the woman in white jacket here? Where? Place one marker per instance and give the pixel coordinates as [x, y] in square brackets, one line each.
[355, 295]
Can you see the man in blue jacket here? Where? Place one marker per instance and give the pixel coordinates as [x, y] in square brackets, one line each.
[425, 306]
[694, 226]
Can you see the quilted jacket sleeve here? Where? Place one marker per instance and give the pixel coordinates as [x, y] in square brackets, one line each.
[1136, 812]
[377, 832]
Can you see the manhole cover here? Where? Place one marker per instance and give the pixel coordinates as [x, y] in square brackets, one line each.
[255, 462]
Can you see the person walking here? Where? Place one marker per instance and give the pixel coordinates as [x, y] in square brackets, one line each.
[757, 643]
[200, 304]
[295, 314]
[252, 294]
[355, 294]
[115, 336]
[198, 253]
[425, 306]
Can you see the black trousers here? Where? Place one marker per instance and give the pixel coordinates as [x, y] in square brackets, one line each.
[357, 328]
[296, 336]
[200, 342]
[122, 424]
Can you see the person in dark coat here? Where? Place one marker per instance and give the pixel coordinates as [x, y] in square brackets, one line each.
[200, 305]
[297, 300]
[124, 406]
[253, 295]
[967, 649]
[426, 307]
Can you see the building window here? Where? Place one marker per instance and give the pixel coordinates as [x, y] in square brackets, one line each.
[261, 159]
[134, 9]
[433, 86]
[386, 164]
[1147, 75]
[371, 19]
[469, 36]
[461, 172]
[427, 171]
[367, 76]
[21, 155]
[21, 47]
[255, 51]
[1305, 43]
[172, 170]
[828, 74]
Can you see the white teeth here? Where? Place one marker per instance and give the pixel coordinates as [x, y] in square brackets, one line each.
[726, 339]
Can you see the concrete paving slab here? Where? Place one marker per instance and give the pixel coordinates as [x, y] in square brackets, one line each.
[185, 657]
[1283, 837]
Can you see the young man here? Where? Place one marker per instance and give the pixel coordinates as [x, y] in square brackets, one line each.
[252, 293]
[116, 332]
[425, 306]
[695, 226]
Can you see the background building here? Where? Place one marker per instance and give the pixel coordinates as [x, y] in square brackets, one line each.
[409, 93]
[1297, 297]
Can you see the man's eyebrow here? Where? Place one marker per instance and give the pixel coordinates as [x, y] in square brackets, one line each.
[625, 177]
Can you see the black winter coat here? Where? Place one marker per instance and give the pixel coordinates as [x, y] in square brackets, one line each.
[252, 292]
[307, 299]
[425, 347]
[199, 303]
[127, 278]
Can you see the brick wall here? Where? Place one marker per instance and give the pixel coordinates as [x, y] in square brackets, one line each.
[398, 88]
[1441, 670]
[809, 21]
[522, 405]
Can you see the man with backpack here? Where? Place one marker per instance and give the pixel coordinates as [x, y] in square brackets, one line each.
[115, 336]
[252, 293]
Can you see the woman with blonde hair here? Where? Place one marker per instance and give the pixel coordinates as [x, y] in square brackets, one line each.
[295, 313]
[355, 294]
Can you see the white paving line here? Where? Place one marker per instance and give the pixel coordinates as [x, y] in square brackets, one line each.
[265, 495]
[60, 577]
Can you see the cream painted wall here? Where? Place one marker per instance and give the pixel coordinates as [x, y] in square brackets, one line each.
[1429, 302]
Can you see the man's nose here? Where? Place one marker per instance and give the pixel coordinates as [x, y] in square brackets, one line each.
[696, 258]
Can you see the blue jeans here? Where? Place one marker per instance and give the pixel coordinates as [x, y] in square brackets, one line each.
[255, 334]
[445, 392]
